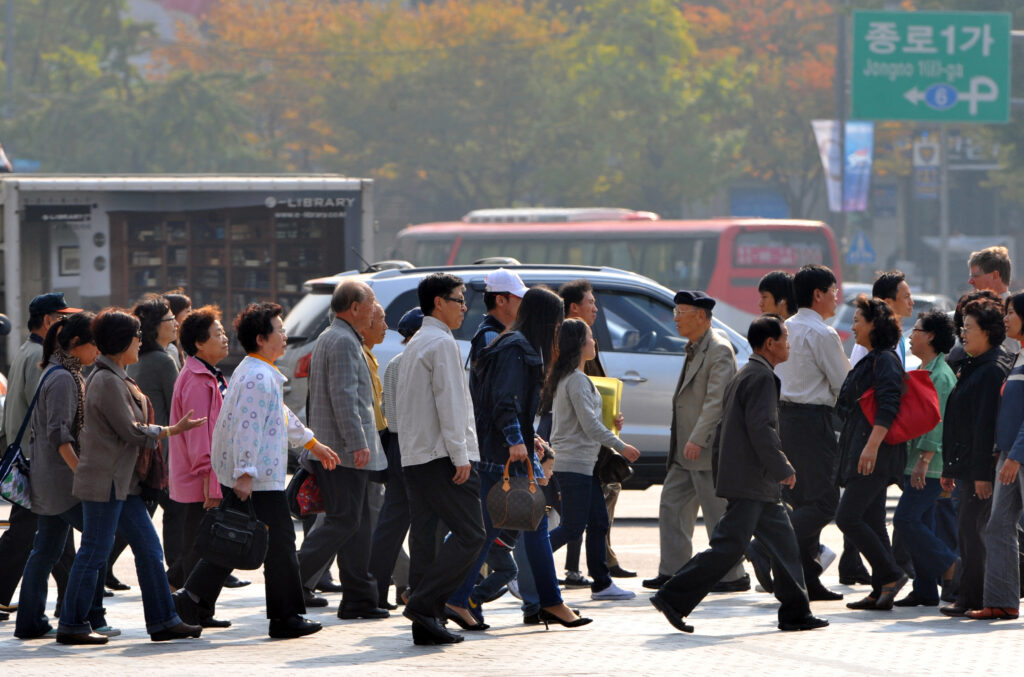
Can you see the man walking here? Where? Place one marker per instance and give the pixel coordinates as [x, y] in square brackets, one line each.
[751, 468]
[892, 289]
[341, 411]
[696, 410]
[437, 438]
[811, 380]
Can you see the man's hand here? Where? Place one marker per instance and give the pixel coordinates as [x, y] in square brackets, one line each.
[517, 452]
[243, 487]
[789, 481]
[692, 451]
[1008, 474]
[948, 484]
[983, 490]
[361, 457]
[632, 453]
[462, 473]
[327, 457]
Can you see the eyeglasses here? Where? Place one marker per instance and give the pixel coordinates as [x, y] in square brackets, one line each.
[455, 299]
[676, 312]
[138, 334]
[168, 319]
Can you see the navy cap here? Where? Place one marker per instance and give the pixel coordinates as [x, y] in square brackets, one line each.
[54, 302]
[5, 325]
[410, 322]
[694, 298]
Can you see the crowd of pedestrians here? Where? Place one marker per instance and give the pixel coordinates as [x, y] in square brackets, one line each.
[128, 411]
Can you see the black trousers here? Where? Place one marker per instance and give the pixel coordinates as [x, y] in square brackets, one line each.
[436, 572]
[809, 439]
[861, 518]
[743, 518]
[345, 532]
[280, 570]
[191, 515]
[393, 521]
[971, 522]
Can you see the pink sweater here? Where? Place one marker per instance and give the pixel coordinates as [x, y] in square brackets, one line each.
[189, 452]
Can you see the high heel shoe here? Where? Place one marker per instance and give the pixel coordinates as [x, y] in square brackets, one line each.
[453, 615]
[546, 617]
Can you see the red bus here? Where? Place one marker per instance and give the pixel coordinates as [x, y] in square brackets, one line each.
[725, 257]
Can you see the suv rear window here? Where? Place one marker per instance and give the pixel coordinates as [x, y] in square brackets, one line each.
[308, 318]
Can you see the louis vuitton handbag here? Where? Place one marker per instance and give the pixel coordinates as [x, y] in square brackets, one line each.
[516, 503]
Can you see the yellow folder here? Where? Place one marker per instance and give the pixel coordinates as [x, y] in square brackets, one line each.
[610, 390]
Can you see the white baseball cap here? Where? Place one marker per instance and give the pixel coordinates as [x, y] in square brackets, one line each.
[505, 281]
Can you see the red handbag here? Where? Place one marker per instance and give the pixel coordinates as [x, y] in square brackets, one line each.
[309, 499]
[919, 408]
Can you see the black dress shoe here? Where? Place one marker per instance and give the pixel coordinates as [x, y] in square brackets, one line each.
[762, 567]
[741, 584]
[188, 611]
[108, 592]
[233, 582]
[4, 616]
[370, 612]
[954, 610]
[114, 584]
[856, 578]
[327, 585]
[430, 626]
[423, 637]
[819, 593]
[673, 616]
[211, 622]
[656, 582]
[292, 627]
[179, 631]
[618, 572]
[913, 600]
[312, 599]
[868, 602]
[806, 623]
[81, 638]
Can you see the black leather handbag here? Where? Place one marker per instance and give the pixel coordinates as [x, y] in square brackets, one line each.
[516, 503]
[233, 539]
[612, 467]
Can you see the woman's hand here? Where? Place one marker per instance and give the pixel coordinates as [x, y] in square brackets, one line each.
[243, 487]
[983, 490]
[948, 484]
[918, 476]
[619, 420]
[866, 464]
[631, 453]
[208, 501]
[327, 456]
[1008, 473]
[186, 423]
[517, 452]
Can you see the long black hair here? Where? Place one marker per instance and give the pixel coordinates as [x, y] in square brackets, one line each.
[572, 336]
[70, 331]
[540, 314]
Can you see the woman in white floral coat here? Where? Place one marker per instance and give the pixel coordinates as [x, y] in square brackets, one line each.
[250, 458]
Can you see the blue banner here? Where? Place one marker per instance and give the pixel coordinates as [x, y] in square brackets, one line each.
[860, 145]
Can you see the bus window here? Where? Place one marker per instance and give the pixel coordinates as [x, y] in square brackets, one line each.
[682, 263]
[430, 252]
[781, 248]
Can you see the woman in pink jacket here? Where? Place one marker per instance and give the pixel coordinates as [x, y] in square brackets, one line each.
[200, 387]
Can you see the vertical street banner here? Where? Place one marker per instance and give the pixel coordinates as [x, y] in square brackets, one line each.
[856, 175]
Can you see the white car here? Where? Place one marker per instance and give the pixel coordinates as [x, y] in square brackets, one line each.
[636, 334]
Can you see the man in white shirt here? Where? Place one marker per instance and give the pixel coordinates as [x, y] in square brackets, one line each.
[892, 289]
[437, 437]
[811, 380]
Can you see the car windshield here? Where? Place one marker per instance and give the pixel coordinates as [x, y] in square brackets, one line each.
[308, 317]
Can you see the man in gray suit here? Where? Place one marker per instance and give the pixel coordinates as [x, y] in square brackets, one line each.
[341, 408]
[696, 409]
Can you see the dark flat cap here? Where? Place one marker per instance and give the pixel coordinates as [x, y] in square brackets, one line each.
[5, 325]
[410, 322]
[54, 302]
[694, 298]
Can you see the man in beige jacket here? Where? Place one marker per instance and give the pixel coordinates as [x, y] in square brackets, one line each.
[696, 409]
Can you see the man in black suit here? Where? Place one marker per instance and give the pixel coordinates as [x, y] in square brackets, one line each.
[751, 469]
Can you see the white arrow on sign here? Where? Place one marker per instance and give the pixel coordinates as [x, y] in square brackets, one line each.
[914, 95]
[943, 96]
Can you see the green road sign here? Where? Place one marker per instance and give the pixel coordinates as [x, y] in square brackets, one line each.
[931, 66]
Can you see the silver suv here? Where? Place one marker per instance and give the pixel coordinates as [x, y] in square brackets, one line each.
[635, 331]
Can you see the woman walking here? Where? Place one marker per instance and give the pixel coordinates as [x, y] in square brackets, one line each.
[577, 436]
[867, 465]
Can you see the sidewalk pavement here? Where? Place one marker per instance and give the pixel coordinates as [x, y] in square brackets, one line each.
[735, 634]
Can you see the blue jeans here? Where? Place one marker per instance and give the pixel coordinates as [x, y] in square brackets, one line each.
[503, 569]
[527, 586]
[538, 551]
[915, 520]
[51, 534]
[583, 508]
[130, 519]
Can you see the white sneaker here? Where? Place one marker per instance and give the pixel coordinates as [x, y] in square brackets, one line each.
[513, 587]
[826, 556]
[108, 631]
[612, 592]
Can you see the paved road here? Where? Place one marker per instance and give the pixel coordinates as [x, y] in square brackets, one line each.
[735, 634]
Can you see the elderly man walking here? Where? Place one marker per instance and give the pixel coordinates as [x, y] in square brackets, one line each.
[341, 411]
[696, 409]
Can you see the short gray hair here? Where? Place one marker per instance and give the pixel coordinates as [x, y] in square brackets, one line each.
[346, 293]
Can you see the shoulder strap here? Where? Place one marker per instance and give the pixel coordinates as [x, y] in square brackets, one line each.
[35, 398]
